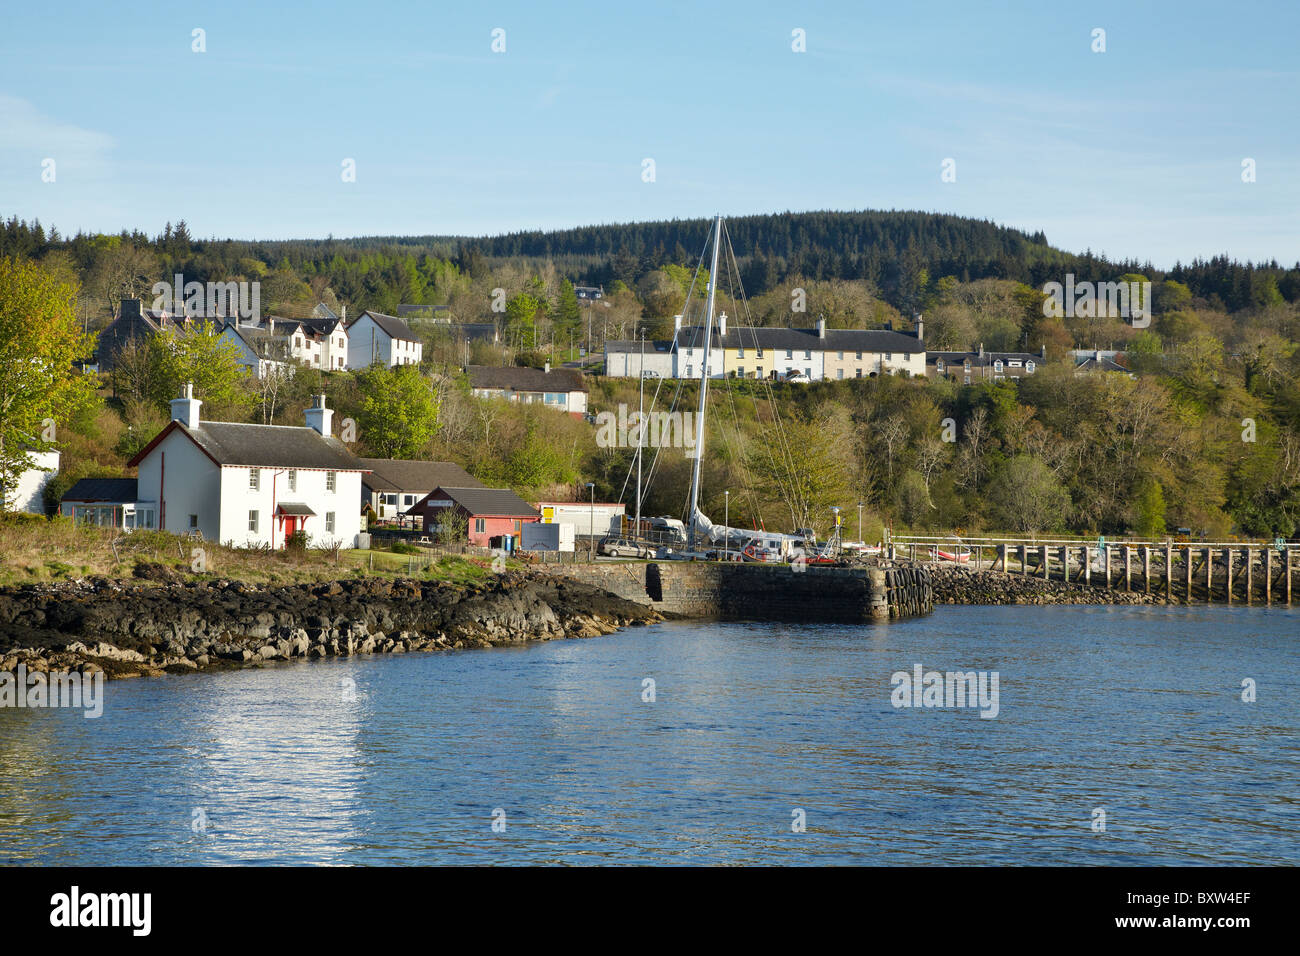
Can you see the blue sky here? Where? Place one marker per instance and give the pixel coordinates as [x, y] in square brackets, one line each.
[1136, 151]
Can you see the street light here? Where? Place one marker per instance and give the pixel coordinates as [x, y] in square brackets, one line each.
[591, 527]
[835, 536]
[726, 529]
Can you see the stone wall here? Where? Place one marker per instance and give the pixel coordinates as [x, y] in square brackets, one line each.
[958, 585]
[734, 591]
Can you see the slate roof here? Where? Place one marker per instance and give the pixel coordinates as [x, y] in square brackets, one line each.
[1090, 363]
[392, 325]
[261, 341]
[521, 379]
[634, 346]
[846, 340]
[389, 474]
[103, 489]
[982, 361]
[264, 446]
[489, 502]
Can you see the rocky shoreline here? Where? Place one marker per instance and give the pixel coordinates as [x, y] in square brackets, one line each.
[959, 585]
[132, 629]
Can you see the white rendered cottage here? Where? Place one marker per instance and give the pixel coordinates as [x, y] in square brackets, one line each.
[252, 485]
[375, 338]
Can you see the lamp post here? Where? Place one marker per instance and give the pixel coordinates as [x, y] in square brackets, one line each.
[835, 536]
[726, 529]
[591, 527]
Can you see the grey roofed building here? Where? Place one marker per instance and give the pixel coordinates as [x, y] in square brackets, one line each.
[263, 446]
[420, 311]
[395, 328]
[518, 378]
[848, 340]
[119, 490]
[133, 322]
[396, 474]
[984, 365]
[633, 346]
[265, 341]
[495, 502]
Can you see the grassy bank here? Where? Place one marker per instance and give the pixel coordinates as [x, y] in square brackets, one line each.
[33, 549]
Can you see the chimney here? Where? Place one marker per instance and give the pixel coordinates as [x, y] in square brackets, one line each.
[677, 323]
[920, 328]
[722, 324]
[318, 416]
[547, 368]
[185, 409]
[981, 350]
[270, 325]
[1043, 351]
[821, 326]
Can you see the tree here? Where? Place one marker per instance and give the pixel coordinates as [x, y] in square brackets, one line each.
[1024, 495]
[1151, 511]
[201, 357]
[122, 271]
[40, 339]
[521, 314]
[399, 412]
[568, 315]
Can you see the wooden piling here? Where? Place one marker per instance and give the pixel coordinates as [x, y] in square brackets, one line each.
[1250, 576]
[1288, 577]
[1146, 568]
[1087, 565]
[1209, 575]
[1188, 549]
[1169, 572]
[1106, 564]
[1268, 575]
[1128, 568]
[1227, 554]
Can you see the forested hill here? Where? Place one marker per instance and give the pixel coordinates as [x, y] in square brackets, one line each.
[899, 252]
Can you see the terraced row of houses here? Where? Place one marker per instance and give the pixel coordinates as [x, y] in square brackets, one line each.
[819, 353]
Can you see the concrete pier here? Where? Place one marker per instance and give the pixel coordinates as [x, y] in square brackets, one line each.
[732, 591]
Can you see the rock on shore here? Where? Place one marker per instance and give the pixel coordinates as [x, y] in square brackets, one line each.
[129, 630]
[960, 585]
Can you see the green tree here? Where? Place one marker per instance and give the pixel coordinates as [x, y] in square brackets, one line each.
[399, 412]
[1024, 495]
[521, 315]
[199, 356]
[40, 339]
[568, 314]
[1151, 511]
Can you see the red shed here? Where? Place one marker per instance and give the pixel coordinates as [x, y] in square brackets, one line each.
[491, 513]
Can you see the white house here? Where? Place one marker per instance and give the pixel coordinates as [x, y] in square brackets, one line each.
[628, 358]
[320, 342]
[559, 388]
[253, 485]
[28, 490]
[384, 339]
[261, 351]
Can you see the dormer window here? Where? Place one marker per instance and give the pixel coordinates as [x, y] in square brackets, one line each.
[1030, 366]
[997, 365]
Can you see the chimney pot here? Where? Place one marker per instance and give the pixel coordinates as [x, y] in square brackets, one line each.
[821, 327]
[319, 418]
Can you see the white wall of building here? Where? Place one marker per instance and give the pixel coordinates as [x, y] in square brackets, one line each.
[238, 498]
[183, 481]
[28, 493]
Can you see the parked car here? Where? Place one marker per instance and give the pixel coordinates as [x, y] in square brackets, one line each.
[617, 547]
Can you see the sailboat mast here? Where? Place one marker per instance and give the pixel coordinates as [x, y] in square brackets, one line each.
[704, 384]
[640, 436]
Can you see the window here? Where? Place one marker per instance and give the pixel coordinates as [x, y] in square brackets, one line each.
[758, 372]
[839, 355]
[889, 356]
[759, 353]
[938, 366]
[789, 353]
[740, 371]
[194, 522]
[688, 372]
[859, 356]
[254, 479]
[389, 498]
[480, 525]
[293, 480]
[968, 378]
[329, 522]
[807, 373]
[1030, 366]
[740, 351]
[409, 500]
[839, 373]
[252, 522]
[807, 354]
[997, 365]
[859, 375]
[330, 481]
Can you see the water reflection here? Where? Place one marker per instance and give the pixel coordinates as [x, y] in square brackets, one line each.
[405, 759]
